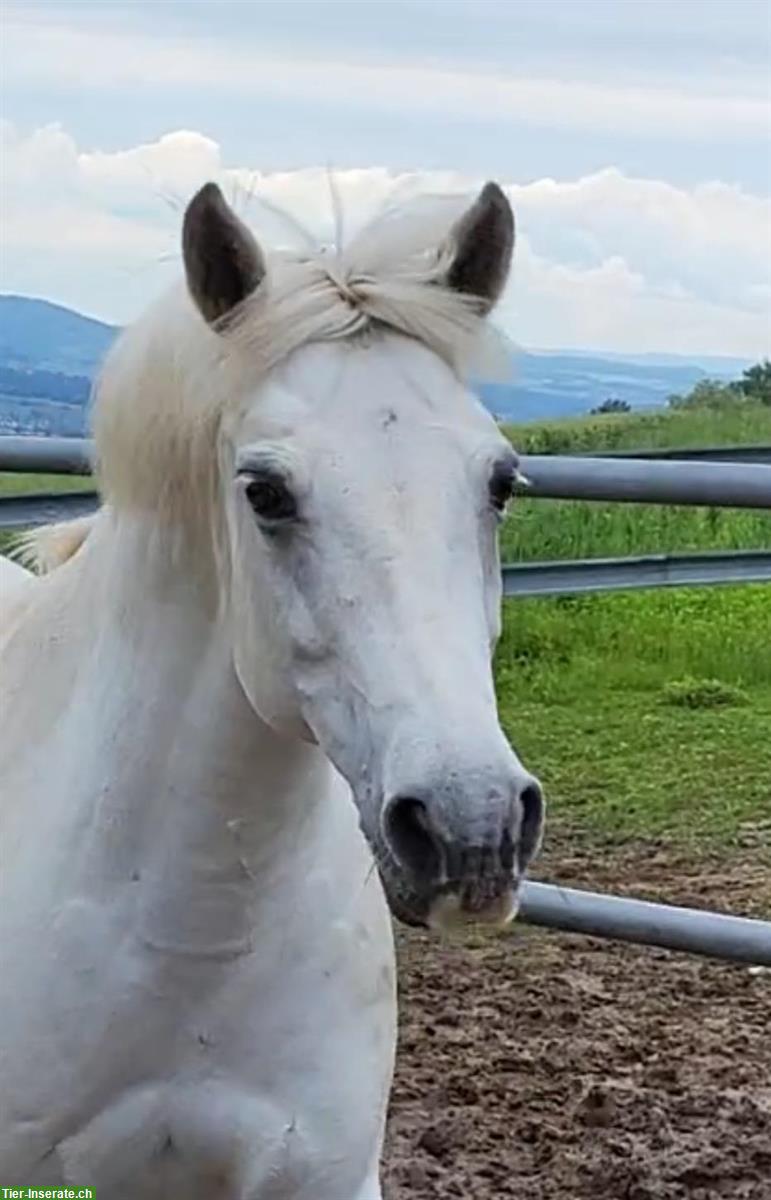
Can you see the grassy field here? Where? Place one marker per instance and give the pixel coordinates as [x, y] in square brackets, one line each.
[571, 529]
[740, 425]
[647, 713]
[12, 484]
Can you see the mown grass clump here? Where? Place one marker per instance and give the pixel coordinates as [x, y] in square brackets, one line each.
[702, 693]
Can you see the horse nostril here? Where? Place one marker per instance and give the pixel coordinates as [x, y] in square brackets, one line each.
[412, 842]
[531, 800]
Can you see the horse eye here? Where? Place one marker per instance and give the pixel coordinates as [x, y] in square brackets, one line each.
[271, 500]
[502, 483]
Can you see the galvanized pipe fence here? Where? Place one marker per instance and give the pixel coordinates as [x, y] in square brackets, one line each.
[608, 477]
[747, 454]
[738, 477]
[716, 935]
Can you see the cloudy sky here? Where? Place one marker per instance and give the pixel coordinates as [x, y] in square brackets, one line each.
[631, 135]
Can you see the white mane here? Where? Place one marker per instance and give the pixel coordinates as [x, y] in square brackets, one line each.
[170, 379]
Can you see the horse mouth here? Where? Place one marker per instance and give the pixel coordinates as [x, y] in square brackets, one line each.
[483, 890]
[453, 906]
[453, 910]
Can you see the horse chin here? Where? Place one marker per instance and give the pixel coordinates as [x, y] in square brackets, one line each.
[452, 911]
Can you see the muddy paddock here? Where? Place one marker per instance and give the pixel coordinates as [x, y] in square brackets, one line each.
[552, 1067]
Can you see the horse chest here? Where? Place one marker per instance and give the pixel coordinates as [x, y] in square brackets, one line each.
[249, 1079]
[211, 1141]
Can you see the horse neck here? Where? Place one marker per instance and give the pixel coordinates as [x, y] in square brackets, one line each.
[209, 803]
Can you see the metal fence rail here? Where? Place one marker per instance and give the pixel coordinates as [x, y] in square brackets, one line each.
[560, 578]
[72, 456]
[664, 481]
[46, 456]
[587, 575]
[647, 481]
[24, 512]
[745, 454]
[738, 939]
[570, 477]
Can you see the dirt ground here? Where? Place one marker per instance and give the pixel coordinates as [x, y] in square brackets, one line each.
[551, 1067]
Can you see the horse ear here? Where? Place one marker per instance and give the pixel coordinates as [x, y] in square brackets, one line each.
[223, 262]
[484, 245]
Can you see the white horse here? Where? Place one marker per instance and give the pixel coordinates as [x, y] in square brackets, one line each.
[276, 635]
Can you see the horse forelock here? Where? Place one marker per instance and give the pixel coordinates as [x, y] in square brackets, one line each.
[170, 380]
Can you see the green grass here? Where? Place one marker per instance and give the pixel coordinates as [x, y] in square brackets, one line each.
[572, 529]
[645, 713]
[703, 693]
[613, 699]
[641, 639]
[538, 529]
[622, 764]
[738, 425]
[586, 690]
[13, 484]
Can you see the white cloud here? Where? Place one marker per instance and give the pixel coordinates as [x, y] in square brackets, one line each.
[713, 240]
[42, 52]
[605, 260]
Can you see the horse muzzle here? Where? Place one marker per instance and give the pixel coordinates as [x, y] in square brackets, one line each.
[455, 856]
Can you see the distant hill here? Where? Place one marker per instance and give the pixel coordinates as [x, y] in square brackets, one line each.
[548, 385]
[714, 364]
[38, 335]
[49, 353]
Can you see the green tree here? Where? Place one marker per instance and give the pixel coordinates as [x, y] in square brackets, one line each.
[755, 382]
[753, 387]
[613, 405]
[708, 393]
